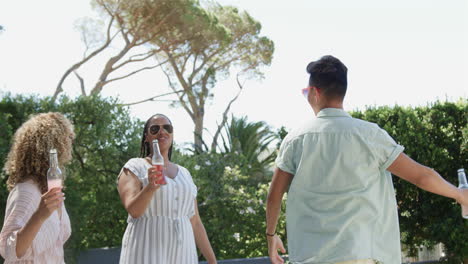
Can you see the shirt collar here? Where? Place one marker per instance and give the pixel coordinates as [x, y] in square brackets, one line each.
[329, 112]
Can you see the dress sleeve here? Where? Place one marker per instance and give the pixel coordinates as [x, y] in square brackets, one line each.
[135, 166]
[19, 209]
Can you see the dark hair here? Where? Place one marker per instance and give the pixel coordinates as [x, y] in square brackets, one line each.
[145, 149]
[329, 74]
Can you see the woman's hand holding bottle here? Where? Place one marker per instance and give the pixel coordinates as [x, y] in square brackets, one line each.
[50, 201]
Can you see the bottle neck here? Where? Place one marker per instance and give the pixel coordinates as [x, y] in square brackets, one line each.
[53, 160]
[156, 150]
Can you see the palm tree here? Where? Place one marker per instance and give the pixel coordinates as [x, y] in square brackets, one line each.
[252, 141]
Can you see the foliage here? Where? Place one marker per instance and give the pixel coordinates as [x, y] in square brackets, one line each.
[435, 136]
[129, 31]
[105, 139]
[252, 140]
[231, 41]
[231, 199]
[231, 203]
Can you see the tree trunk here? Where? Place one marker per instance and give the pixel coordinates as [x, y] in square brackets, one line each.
[97, 88]
[198, 132]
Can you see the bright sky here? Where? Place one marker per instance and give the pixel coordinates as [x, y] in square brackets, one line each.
[397, 52]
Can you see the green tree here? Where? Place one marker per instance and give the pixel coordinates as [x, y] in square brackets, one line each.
[436, 136]
[231, 205]
[253, 141]
[233, 185]
[128, 30]
[106, 137]
[233, 41]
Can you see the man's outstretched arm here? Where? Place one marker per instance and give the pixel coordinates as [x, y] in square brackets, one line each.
[426, 178]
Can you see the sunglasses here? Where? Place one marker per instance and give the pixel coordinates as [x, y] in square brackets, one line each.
[154, 129]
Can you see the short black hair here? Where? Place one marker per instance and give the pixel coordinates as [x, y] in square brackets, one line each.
[330, 75]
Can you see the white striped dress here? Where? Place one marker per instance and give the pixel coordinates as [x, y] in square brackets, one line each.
[163, 234]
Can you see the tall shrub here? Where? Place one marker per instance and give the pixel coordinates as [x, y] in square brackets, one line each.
[436, 136]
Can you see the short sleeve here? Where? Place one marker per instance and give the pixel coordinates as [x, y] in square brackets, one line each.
[20, 207]
[136, 166]
[385, 149]
[285, 159]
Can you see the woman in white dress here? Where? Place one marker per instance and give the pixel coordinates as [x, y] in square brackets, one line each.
[163, 220]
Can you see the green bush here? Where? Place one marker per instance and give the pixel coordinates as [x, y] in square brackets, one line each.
[231, 199]
[106, 137]
[436, 136]
[231, 203]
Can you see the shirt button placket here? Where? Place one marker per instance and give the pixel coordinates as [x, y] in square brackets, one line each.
[176, 198]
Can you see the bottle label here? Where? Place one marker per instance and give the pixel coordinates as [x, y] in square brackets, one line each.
[159, 173]
[54, 183]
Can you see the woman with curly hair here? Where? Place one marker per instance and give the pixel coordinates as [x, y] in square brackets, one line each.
[36, 222]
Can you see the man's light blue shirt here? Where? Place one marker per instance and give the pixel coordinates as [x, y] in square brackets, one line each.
[341, 204]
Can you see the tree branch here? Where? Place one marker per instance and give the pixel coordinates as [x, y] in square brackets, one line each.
[109, 39]
[82, 85]
[108, 68]
[181, 99]
[206, 59]
[214, 144]
[131, 59]
[134, 72]
[185, 61]
[152, 98]
[187, 88]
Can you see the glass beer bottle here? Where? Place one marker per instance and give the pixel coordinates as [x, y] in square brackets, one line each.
[54, 174]
[158, 162]
[463, 184]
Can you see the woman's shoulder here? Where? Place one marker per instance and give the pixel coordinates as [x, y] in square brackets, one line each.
[24, 192]
[28, 186]
[137, 166]
[183, 170]
[137, 162]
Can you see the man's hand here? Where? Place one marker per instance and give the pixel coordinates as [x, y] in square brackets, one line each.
[275, 244]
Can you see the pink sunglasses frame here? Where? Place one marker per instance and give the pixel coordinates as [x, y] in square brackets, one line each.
[305, 91]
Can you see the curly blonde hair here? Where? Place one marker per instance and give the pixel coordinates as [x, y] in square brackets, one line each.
[29, 154]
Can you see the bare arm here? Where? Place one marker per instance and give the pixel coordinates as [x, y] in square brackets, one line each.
[279, 185]
[425, 178]
[50, 201]
[201, 238]
[22, 210]
[134, 197]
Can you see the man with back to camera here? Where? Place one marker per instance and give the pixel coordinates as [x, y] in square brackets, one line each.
[341, 204]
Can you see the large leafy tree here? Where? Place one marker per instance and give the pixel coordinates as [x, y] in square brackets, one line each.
[132, 28]
[232, 42]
